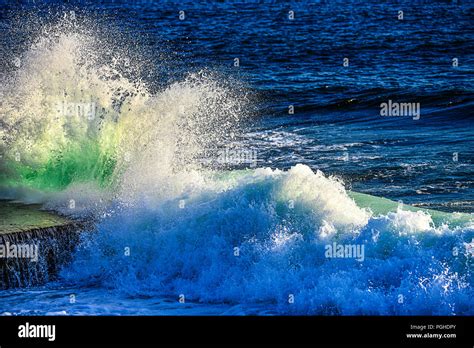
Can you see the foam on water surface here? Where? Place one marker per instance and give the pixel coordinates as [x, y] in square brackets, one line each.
[167, 225]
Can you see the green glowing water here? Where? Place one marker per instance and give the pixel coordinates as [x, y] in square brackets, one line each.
[84, 162]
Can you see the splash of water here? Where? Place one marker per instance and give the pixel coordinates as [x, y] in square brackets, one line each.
[70, 120]
[74, 126]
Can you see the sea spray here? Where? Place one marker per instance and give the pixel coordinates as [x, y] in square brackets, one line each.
[190, 249]
[69, 119]
[168, 226]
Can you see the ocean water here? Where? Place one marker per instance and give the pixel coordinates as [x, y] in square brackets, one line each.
[221, 149]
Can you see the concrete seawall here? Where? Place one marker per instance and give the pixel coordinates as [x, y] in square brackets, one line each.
[34, 244]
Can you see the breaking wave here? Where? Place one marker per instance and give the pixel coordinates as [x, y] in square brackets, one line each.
[169, 224]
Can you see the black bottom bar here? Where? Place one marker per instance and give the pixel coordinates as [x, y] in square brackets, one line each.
[416, 331]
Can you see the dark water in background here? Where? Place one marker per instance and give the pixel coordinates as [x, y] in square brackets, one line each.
[336, 125]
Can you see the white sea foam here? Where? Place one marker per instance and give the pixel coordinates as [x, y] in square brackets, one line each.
[191, 250]
[169, 226]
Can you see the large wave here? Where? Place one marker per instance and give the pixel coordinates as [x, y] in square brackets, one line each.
[73, 123]
[260, 236]
[76, 128]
